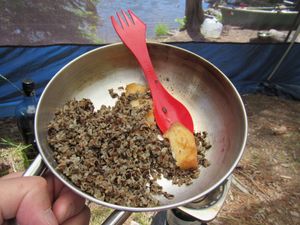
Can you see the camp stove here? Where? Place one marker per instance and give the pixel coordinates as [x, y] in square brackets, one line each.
[198, 212]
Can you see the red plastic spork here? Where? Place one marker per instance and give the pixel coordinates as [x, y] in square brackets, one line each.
[167, 109]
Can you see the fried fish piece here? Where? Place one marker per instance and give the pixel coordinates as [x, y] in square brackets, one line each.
[135, 88]
[183, 146]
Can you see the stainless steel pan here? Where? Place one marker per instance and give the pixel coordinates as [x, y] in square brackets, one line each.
[214, 103]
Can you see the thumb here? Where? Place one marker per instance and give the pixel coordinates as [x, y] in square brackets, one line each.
[26, 199]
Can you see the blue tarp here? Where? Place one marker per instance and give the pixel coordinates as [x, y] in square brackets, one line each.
[247, 65]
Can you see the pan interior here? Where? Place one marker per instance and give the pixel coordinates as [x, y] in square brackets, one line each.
[211, 99]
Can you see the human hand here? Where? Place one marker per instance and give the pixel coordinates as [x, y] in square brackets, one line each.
[40, 201]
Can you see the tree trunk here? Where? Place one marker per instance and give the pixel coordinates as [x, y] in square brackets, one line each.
[194, 16]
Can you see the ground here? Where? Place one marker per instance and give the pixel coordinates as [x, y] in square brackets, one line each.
[266, 188]
[230, 34]
[270, 168]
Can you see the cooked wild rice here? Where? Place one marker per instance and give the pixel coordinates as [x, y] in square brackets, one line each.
[113, 154]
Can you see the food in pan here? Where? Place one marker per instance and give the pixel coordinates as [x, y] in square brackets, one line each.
[117, 154]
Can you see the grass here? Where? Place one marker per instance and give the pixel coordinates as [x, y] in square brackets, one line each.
[161, 29]
[182, 22]
[15, 155]
[98, 214]
[142, 218]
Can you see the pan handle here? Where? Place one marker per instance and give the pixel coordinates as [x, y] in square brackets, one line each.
[36, 168]
[117, 218]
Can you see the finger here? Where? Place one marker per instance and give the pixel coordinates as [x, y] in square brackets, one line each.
[11, 175]
[83, 218]
[54, 185]
[27, 199]
[67, 205]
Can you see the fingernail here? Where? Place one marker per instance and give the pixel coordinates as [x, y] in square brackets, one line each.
[50, 218]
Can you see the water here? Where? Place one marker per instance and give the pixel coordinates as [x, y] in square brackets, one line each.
[151, 12]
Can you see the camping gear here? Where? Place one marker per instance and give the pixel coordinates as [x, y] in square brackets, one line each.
[258, 17]
[212, 100]
[167, 109]
[198, 212]
[211, 28]
[25, 113]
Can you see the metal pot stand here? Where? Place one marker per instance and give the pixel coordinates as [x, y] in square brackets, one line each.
[198, 212]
